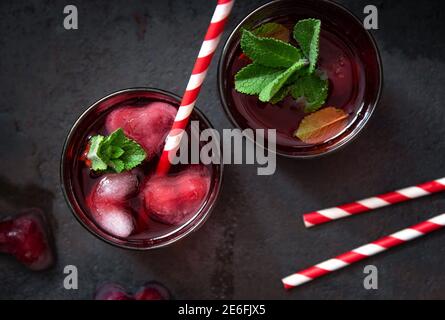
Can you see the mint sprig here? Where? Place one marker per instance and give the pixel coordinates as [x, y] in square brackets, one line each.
[312, 89]
[253, 78]
[307, 34]
[269, 91]
[115, 152]
[269, 52]
[279, 68]
[281, 94]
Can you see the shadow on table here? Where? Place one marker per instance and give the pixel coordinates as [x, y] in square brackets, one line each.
[15, 199]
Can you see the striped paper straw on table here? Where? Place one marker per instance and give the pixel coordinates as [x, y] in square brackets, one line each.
[199, 73]
[364, 252]
[383, 200]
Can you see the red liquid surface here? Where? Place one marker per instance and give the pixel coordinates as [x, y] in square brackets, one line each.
[337, 60]
[88, 179]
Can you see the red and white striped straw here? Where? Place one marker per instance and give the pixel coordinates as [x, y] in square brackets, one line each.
[199, 73]
[364, 252]
[319, 217]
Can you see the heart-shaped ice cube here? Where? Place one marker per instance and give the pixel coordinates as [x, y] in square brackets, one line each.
[26, 238]
[150, 291]
[148, 125]
[176, 198]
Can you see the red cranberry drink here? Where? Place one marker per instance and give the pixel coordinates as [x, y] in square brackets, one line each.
[307, 69]
[339, 76]
[111, 172]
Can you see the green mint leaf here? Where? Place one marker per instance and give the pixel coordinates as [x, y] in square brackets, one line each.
[275, 86]
[313, 90]
[297, 75]
[115, 152]
[116, 139]
[133, 156]
[118, 165]
[273, 30]
[307, 34]
[97, 164]
[253, 78]
[281, 94]
[269, 52]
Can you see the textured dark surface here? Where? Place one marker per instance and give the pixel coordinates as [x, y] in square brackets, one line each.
[255, 236]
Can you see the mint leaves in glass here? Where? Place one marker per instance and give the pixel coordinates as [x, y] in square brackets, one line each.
[115, 152]
[280, 69]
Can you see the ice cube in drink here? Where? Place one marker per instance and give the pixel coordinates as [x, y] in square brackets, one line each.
[136, 209]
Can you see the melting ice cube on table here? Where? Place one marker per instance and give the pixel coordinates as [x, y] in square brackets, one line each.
[26, 238]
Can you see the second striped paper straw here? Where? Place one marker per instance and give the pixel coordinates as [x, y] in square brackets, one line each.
[322, 216]
[364, 252]
[208, 48]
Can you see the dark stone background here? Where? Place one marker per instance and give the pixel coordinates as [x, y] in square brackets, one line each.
[255, 236]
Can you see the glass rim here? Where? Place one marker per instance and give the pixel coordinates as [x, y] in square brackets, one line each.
[362, 123]
[195, 223]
